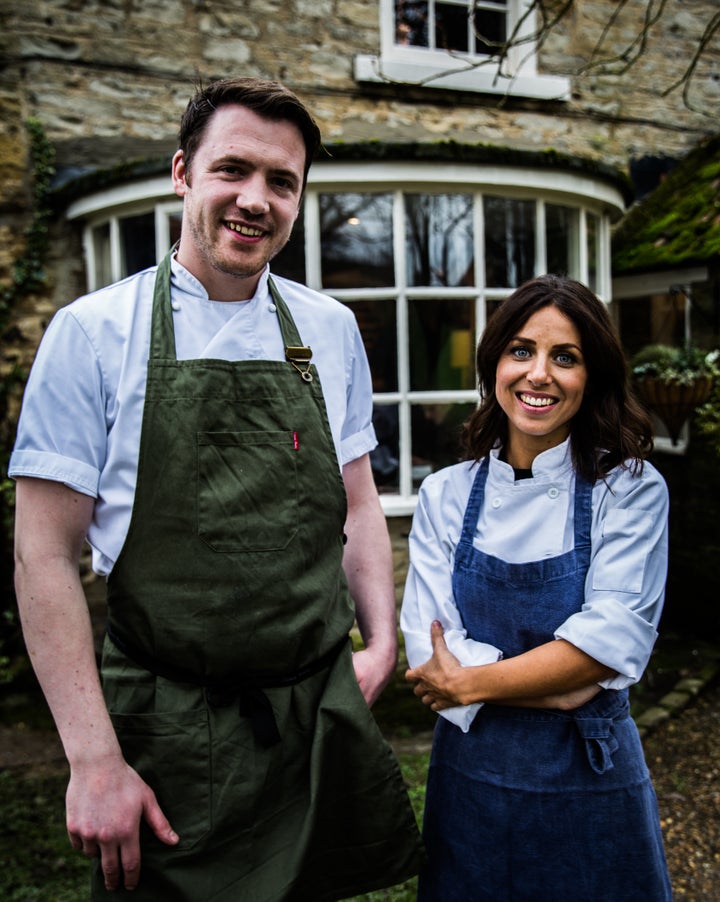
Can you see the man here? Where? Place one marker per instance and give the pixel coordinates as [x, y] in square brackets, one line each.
[188, 422]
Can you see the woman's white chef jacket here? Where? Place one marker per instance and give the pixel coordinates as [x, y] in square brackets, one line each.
[82, 411]
[531, 519]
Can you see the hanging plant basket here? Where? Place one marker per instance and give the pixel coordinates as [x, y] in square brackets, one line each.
[673, 382]
[673, 402]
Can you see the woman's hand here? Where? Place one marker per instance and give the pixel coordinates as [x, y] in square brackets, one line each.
[436, 681]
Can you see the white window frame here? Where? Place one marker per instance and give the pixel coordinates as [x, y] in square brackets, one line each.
[586, 194]
[455, 71]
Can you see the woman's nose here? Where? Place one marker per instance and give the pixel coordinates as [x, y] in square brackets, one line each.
[538, 373]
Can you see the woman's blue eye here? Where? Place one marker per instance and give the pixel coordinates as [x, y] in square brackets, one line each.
[521, 352]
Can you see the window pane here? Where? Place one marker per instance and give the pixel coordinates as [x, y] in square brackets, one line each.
[290, 262]
[101, 250]
[593, 228]
[137, 240]
[490, 26]
[436, 430]
[439, 239]
[442, 344]
[411, 25]
[175, 224]
[384, 459]
[509, 241]
[451, 27]
[356, 240]
[377, 323]
[561, 230]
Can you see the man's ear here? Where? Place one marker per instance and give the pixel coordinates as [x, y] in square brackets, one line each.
[179, 174]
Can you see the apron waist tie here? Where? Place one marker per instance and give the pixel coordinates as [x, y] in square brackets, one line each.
[247, 689]
[600, 741]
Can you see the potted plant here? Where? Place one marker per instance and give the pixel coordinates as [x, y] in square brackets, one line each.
[673, 381]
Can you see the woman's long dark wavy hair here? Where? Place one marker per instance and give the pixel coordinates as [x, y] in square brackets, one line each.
[611, 428]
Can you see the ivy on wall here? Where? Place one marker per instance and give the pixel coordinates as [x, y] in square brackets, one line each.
[28, 277]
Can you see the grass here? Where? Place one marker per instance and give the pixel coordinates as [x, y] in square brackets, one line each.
[38, 863]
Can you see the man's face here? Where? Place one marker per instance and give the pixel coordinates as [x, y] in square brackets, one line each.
[241, 196]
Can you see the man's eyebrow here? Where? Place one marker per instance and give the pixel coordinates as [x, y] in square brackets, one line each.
[243, 161]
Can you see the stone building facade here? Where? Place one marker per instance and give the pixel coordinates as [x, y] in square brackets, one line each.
[107, 81]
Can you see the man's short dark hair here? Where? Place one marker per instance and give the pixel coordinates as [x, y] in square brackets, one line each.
[266, 98]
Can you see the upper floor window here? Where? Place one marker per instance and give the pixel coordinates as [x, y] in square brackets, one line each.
[472, 45]
[454, 25]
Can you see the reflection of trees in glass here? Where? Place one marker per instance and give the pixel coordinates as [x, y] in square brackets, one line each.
[593, 228]
[509, 241]
[560, 230]
[439, 239]
[356, 240]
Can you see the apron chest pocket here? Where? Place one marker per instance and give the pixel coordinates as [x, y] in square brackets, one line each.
[246, 490]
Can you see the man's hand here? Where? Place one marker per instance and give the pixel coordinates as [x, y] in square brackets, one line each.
[373, 671]
[104, 809]
[368, 565]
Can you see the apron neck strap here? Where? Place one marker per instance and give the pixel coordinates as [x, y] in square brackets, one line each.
[162, 342]
[162, 335]
[288, 329]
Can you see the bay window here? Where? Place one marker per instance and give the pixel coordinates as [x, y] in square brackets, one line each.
[422, 253]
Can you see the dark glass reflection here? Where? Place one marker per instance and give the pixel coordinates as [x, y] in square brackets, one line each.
[377, 322]
[439, 239]
[560, 232]
[509, 241]
[451, 27]
[436, 430]
[290, 262]
[411, 23]
[593, 229]
[490, 30]
[356, 240]
[385, 459]
[137, 240]
[442, 344]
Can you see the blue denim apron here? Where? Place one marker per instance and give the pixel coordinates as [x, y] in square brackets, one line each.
[538, 804]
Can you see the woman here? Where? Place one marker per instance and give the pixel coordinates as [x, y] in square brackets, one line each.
[536, 582]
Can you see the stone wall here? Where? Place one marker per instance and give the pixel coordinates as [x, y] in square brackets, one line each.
[124, 69]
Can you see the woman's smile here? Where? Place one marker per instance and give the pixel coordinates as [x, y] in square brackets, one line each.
[540, 382]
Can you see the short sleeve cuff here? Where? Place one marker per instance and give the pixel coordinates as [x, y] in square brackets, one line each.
[615, 636]
[356, 445]
[46, 465]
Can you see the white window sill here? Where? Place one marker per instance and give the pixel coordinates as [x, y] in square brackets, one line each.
[451, 73]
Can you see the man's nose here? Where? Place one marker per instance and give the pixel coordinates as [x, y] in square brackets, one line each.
[252, 195]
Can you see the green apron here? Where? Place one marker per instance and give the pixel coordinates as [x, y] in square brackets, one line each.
[229, 674]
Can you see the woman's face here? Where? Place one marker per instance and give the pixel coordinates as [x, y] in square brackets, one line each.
[539, 383]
